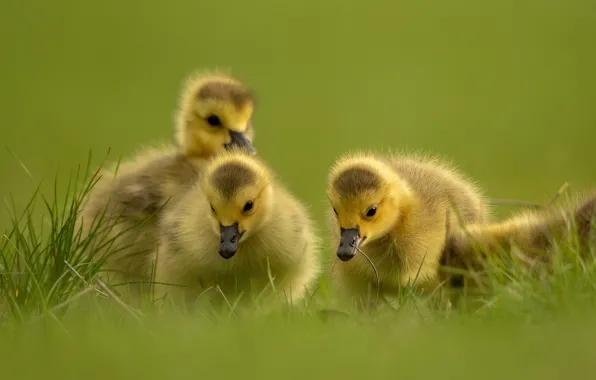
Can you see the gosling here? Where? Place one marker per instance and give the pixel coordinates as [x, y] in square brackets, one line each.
[214, 114]
[238, 229]
[397, 210]
[529, 237]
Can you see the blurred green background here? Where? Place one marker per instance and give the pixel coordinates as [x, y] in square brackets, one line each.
[506, 89]
[269, 350]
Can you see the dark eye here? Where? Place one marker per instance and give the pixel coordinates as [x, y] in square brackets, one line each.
[335, 211]
[212, 209]
[213, 121]
[371, 212]
[247, 206]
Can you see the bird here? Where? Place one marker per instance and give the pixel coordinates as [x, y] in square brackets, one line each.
[215, 110]
[239, 229]
[214, 113]
[528, 237]
[396, 210]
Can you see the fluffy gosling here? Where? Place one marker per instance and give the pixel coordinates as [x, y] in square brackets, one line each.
[396, 210]
[233, 227]
[530, 235]
[214, 114]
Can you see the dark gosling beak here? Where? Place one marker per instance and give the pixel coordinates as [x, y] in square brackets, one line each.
[239, 140]
[348, 244]
[228, 242]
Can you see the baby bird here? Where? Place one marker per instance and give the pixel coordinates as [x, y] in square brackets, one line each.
[236, 224]
[214, 114]
[396, 210]
[531, 234]
[215, 111]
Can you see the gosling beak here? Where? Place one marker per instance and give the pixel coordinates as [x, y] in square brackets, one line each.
[239, 140]
[348, 244]
[228, 242]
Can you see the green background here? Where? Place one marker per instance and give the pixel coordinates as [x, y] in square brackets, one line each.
[506, 89]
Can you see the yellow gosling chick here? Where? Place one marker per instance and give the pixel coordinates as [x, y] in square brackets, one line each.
[214, 114]
[215, 111]
[396, 210]
[530, 236]
[229, 229]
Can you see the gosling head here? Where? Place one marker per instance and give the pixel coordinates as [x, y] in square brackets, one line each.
[366, 195]
[214, 114]
[238, 189]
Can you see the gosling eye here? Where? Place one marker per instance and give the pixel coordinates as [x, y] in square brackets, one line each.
[335, 211]
[248, 206]
[371, 212]
[213, 121]
[212, 208]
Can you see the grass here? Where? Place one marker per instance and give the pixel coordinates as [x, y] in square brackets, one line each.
[273, 348]
[505, 89]
[39, 255]
[56, 313]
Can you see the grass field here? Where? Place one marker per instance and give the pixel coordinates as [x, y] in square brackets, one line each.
[506, 90]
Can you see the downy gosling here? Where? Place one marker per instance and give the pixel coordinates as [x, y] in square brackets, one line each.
[530, 236]
[396, 210]
[230, 229]
[214, 114]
